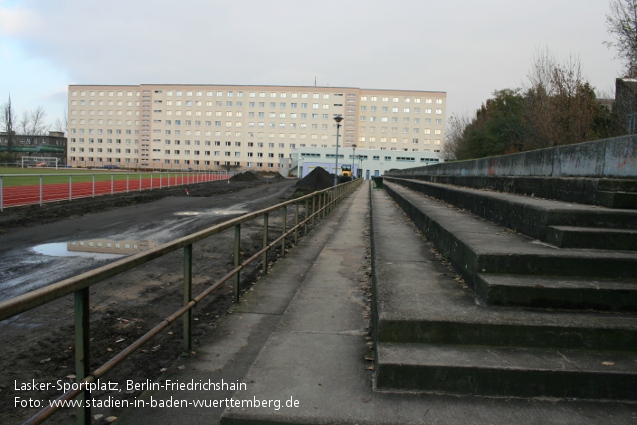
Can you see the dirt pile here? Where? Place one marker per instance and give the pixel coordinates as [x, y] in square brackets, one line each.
[248, 176]
[317, 179]
[276, 178]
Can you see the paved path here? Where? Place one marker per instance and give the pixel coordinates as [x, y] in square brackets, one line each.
[328, 267]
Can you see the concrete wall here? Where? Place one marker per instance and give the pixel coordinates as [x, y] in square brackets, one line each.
[609, 158]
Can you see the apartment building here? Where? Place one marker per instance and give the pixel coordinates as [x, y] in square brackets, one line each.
[163, 126]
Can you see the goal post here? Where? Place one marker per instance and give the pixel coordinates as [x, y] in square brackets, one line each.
[40, 161]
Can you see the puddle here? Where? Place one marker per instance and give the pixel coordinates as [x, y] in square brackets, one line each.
[99, 249]
[213, 212]
[228, 212]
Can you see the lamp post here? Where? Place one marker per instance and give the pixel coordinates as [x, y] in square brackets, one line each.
[353, 158]
[338, 120]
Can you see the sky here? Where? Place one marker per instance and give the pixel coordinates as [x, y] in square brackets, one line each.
[466, 48]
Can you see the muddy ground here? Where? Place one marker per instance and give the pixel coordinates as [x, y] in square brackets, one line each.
[38, 346]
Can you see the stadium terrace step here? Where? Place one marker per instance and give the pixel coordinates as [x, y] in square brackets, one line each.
[433, 333]
[592, 237]
[419, 301]
[558, 292]
[478, 246]
[524, 214]
[608, 192]
[610, 199]
[506, 371]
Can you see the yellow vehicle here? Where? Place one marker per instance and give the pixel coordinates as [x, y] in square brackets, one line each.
[346, 174]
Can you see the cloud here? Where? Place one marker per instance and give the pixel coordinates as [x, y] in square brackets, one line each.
[16, 21]
[468, 49]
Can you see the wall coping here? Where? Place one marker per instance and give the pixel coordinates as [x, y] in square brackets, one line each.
[607, 158]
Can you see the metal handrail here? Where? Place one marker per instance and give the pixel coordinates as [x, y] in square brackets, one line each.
[327, 199]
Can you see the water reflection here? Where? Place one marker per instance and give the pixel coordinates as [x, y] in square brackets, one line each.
[228, 212]
[101, 249]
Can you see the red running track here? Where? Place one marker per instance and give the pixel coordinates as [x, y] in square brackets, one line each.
[13, 196]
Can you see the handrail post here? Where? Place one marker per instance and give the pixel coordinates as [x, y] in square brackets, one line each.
[70, 187]
[82, 351]
[40, 190]
[93, 186]
[112, 184]
[307, 202]
[127, 183]
[1, 195]
[237, 254]
[140, 182]
[324, 196]
[296, 225]
[313, 210]
[265, 243]
[187, 297]
[327, 204]
[285, 222]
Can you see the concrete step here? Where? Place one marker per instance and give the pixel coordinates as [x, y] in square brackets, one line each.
[593, 264]
[558, 291]
[582, 190]
[592, 237]
[527, 215]
[417, 301]
[453, 320]
[506, 371]
[478, 246]
[617, 199]
[434, 334]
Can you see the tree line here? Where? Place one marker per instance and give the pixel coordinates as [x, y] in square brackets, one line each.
[30, 122]
[557, 106]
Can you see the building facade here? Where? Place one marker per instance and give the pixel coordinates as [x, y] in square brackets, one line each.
[219, 126]
[363, 163]
[20, 145]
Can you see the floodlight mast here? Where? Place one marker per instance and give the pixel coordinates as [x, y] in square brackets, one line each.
[338, 119]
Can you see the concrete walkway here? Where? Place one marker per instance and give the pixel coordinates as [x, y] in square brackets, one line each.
[328, 266]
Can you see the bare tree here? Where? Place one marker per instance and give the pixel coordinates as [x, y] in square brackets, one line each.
[24, 123]
[8, 120]
[454, 136]
[61, 124]
[621, 25]
[561, 103]
[32, 122]
[37, 125]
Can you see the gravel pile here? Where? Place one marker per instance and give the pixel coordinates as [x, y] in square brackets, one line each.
[318, 179]
[248, 176]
